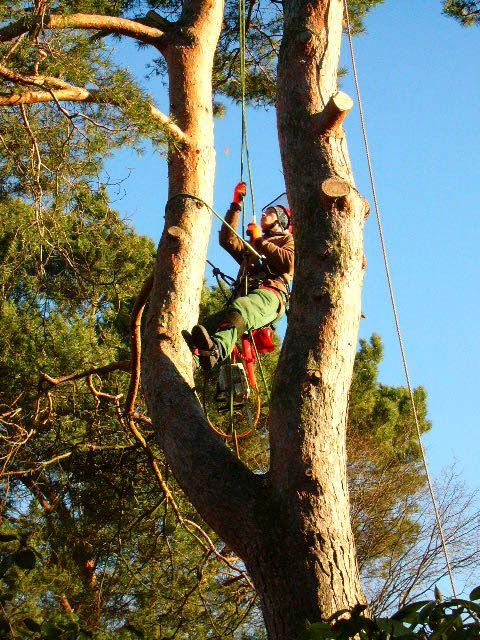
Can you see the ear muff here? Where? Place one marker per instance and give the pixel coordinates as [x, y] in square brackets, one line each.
[283, 215]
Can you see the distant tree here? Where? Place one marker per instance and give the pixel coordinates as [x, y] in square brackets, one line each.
[467, 12]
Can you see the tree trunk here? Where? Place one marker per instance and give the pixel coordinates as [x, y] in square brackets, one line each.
[216, 482]
[291, 527]
[313, 572]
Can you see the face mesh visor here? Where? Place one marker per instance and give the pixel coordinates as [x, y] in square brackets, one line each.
[280, 200]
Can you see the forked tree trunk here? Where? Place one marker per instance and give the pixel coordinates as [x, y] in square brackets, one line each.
[291, 527]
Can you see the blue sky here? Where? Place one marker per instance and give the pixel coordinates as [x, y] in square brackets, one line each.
[419, 74]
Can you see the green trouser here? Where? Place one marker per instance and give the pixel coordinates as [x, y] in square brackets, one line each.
[258, 309]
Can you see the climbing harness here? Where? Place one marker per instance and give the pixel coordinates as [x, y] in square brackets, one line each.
[394, 305]
[237, 391]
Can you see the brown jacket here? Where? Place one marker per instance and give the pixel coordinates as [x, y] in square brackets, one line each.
[277, 250]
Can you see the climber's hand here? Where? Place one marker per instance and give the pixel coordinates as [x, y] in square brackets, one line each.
[239, 193]
[254, 232]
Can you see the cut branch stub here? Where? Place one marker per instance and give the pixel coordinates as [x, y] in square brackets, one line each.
[335, 112]
[335, 188]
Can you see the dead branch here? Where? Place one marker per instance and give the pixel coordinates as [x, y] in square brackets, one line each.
[100, 394]
[216, 553]
[67, 607]
[122, 365]
[14, 46]
[136, 345]
[62, 456]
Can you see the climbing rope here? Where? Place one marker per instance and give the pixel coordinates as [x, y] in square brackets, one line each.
[394, 305]
[244, 152]
[244, 155]
[217, 215]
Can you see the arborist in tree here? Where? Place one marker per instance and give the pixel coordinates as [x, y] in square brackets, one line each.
[262, 287]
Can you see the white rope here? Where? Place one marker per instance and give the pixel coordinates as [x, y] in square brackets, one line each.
[394, 305]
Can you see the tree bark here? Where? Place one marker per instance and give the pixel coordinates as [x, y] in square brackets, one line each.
[217, 483]
[290, 527]
[313, 570]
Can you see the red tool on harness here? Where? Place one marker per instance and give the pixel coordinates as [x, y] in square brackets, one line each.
[263, 340]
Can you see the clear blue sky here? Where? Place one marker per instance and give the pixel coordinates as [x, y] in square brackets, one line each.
[420, 80]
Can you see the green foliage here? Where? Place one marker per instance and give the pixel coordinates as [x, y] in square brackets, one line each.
[80, 498]
[67, 281]
[453, 619]
[467, 12]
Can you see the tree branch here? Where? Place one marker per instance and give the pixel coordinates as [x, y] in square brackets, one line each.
[135, 344]
[74, 94]
[61, 91]
[123, 365]
[37, 80]
[335, 112]
[136, 29]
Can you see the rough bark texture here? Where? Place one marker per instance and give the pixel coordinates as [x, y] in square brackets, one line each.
[291, 527]
[217, 483]
[309, 404]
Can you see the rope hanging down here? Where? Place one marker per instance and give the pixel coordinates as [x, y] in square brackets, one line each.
[244, 152]
[394, 305]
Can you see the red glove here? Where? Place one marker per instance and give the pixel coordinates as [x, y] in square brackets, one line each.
[254, 232]
[239, 193]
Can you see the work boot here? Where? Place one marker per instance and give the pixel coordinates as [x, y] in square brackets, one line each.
[208, 351]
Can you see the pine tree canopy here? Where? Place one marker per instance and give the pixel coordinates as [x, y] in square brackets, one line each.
[467, 12]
